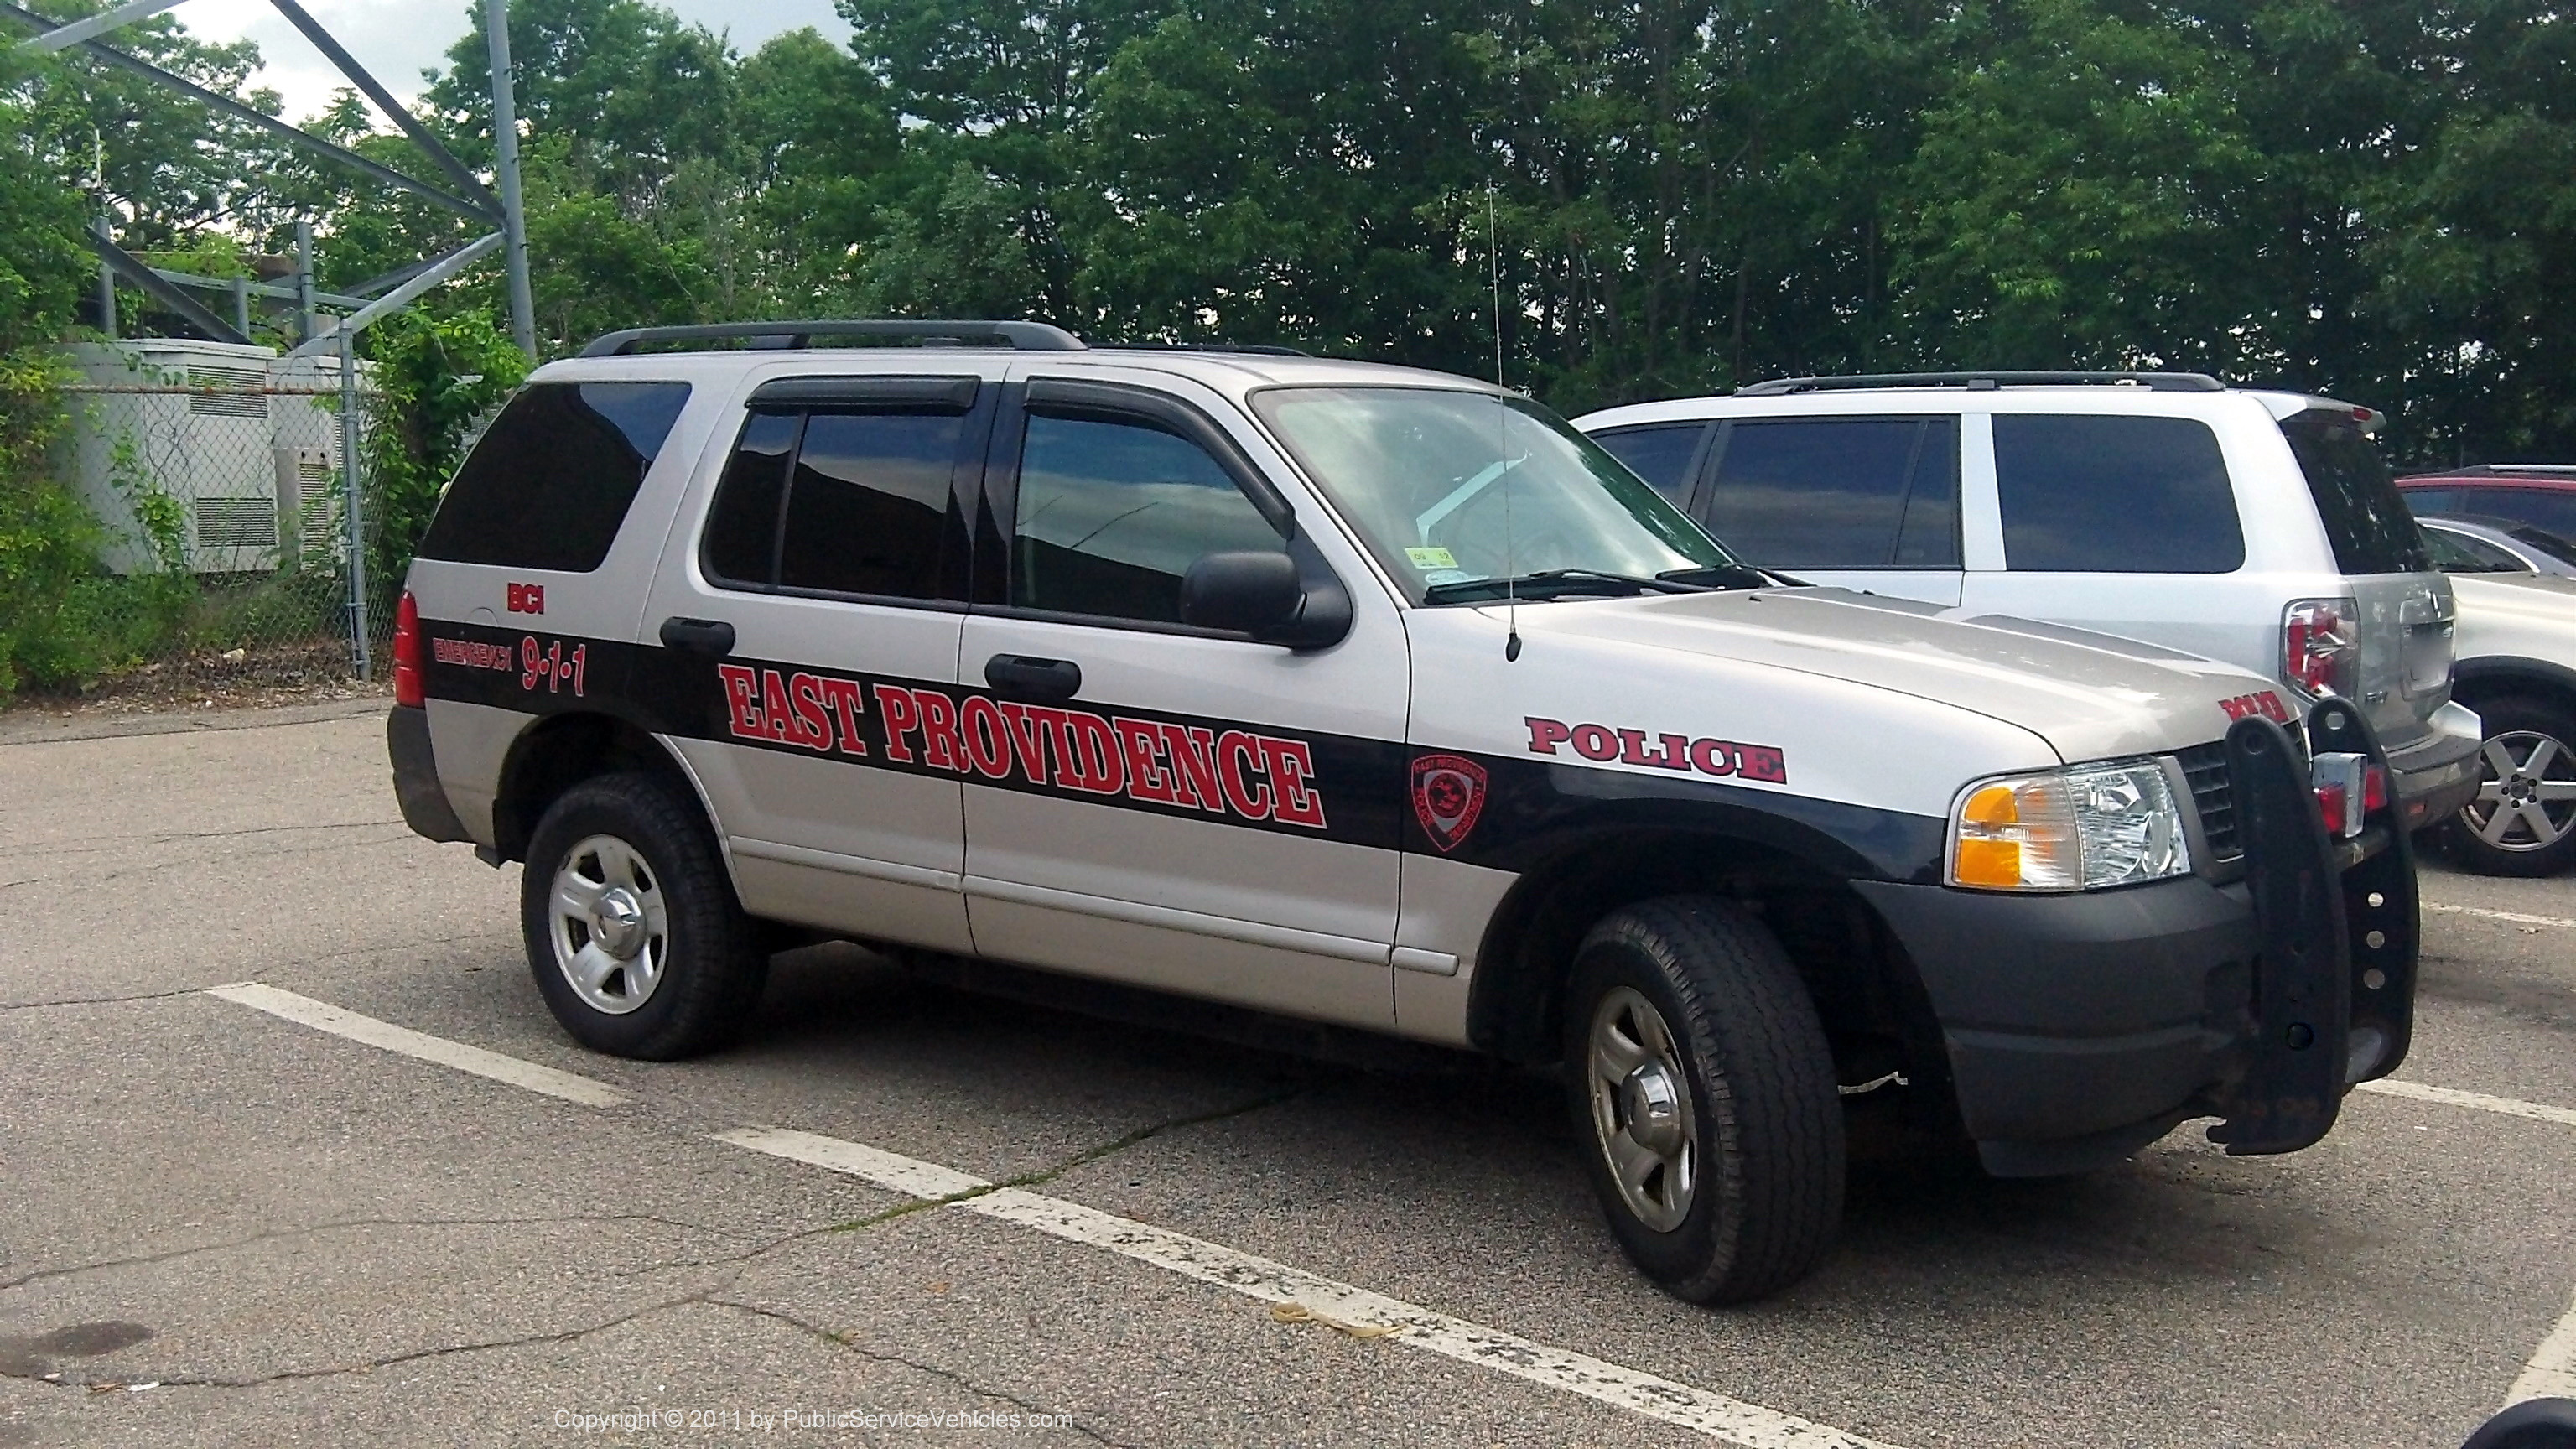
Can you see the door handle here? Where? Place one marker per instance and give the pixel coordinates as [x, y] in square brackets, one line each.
[710, 637]
[1021, 677]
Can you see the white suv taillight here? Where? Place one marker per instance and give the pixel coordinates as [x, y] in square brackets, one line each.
[407, 688]
[2321, 646]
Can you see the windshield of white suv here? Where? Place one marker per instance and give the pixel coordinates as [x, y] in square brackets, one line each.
[1457, 492]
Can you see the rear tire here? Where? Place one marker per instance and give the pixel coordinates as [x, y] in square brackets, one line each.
[633, 932]
[1703, 1092]
[2523, 822]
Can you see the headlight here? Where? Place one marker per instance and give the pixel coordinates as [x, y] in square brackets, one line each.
[2066, 830]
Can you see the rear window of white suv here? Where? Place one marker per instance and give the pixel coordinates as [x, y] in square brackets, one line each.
[2114, 495]
[2366, 518]
[549, 484]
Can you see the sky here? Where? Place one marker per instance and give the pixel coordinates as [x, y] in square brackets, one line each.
[397, 39]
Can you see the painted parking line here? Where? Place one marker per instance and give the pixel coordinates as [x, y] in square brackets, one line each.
[2551, 1374]
[323, 1016]
[2453, 1097]
[2482, 913]
[1731, 1420]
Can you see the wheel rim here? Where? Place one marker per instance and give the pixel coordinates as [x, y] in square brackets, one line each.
[2526, 792]
[611, 934]
[1642, 1114]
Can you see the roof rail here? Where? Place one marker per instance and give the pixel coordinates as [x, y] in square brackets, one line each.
[1980, 381]
[1021, 336]
[1248, 349]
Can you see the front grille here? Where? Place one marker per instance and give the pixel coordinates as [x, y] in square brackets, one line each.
[2204, 767]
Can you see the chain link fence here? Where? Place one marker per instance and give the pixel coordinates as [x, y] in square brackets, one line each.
[224, 479]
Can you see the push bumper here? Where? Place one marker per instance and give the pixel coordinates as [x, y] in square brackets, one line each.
[416, 788]
[2081, 1027]
[2438, 774]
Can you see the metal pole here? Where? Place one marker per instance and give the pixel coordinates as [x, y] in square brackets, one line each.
[106, 283]
[241, 306]
[358, 645]
[505, 171]
[303, 279]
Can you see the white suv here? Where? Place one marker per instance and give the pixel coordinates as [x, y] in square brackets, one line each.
[2256, 527]
[1381, 699]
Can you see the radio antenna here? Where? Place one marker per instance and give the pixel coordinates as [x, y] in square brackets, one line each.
[1502, 439]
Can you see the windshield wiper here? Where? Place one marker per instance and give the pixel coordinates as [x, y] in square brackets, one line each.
[1731, 575]
[1549, 583]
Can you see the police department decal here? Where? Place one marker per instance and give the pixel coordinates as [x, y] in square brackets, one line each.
[1448, 795]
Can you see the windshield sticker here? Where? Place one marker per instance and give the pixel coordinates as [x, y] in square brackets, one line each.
[1448, 795]
[1431, 558]
[1681, 753]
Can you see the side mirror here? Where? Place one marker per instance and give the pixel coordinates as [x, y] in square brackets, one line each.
[1253, 592]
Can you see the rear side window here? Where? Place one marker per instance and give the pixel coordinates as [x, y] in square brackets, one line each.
[2115, 495]
[2365, 517]
[836, 502]
[2548, 508]
[1661, 456]
[550, 482]
[1840, 493]
[865, 507]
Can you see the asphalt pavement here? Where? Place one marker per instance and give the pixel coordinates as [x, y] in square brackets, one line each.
[381, 1198]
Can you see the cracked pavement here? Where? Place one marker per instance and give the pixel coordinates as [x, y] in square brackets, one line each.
[222, 1228]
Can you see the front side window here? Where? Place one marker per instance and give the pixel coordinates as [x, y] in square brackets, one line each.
[2119, 495]
[1853, 493]
[1451, 489]
[1112, 512]
[1660, 455]
[549, 483]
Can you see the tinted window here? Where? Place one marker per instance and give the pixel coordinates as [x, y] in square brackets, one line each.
[2366, 518]
[1112, 514]
[2432, 500]
[1661, 456]
[1844, 493]
[2540, 540]
[865, 508]
[742, 527]
[2458, 553]
[2548, 508]
[2115, 495]
[551, 480]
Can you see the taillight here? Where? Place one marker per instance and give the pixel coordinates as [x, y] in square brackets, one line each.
[407, 688]
[2320, 646]
[2343, 785]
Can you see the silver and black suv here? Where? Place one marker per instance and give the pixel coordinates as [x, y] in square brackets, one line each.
[2257, 527]
[1382, 699]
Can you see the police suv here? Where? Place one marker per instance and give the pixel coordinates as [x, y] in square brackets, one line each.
[1383, 699]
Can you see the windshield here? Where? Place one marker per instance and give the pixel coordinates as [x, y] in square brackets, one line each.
[1448, 488]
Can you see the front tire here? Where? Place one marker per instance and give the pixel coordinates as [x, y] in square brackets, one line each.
[633, 932]
[1703, 1091]
[2523, 822]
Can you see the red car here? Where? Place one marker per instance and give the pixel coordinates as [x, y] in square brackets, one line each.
[2537, 493]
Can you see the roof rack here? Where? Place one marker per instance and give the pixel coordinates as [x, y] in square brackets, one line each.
[1020, 336]
[1249, 349]
[1982, 381]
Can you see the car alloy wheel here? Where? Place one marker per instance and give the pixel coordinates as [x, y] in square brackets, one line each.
[608, 924]
[2527, 793]
[1642, 1114]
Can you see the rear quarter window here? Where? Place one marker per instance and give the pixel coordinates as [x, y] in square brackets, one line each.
[549, 484]
[2366, 519]
[1660, 455]
[2115, 495]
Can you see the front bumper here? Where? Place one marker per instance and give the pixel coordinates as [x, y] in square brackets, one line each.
[2438, 774]
[2081, 1027]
